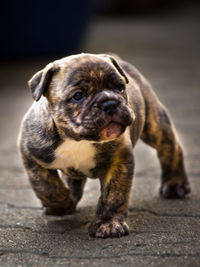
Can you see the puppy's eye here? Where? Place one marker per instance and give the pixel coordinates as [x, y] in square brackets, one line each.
[78, 97]
[120, 88]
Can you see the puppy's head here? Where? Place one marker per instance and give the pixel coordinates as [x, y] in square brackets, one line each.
[86, 96]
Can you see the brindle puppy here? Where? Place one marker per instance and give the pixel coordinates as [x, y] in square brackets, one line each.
[88, 114]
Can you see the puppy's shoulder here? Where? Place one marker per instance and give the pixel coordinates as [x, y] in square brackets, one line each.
[38, 137]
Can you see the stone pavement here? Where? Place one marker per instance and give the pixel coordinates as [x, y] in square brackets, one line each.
[163, 232]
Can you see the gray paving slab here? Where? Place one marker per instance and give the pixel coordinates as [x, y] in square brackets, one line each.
[163, 232]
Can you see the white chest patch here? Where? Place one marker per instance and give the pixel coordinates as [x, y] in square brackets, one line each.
[79, 155]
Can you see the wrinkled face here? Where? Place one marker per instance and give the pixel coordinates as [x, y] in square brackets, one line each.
[89, 101]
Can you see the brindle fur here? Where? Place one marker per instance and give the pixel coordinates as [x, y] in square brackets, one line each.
[54, 120]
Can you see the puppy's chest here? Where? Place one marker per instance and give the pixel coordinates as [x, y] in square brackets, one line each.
[77, 155]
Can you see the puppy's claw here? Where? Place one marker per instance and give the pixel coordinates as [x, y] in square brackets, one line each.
[125, 228]
[103, 232]
[117, 231]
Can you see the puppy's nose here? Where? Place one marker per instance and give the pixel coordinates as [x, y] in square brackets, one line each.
[109, 106]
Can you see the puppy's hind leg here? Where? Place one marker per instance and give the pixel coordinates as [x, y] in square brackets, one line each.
[159, 132]
[76, 185]
[56, 198]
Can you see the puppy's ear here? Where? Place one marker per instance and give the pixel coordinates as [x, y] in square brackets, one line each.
[39, 83]
[111, 57]
[119, 68]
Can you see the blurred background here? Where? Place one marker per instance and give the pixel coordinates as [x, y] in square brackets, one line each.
[55, 29]
[160, 37]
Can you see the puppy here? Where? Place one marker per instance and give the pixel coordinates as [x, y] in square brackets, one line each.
[89, 111]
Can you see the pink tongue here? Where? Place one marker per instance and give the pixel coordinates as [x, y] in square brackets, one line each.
[111, 131]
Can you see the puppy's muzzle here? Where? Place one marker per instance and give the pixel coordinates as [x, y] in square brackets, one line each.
[113, 113]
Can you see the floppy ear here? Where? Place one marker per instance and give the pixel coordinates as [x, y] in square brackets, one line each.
[119, 68]
[116, 64]
[39, 83]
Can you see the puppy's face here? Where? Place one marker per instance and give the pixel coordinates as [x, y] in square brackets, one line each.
[87, 97]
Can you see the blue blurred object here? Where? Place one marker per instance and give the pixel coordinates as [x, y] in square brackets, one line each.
[43, 27]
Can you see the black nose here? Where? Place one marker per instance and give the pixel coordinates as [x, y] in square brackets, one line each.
[109, 106]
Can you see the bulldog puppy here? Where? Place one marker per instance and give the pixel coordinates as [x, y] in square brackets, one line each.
[89, 111]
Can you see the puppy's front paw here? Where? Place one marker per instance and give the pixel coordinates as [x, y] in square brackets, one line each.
[112, 228]
[57, 211]
[60, 210]
[168, 190]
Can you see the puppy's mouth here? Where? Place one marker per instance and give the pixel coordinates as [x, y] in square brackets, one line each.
[111, 131]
